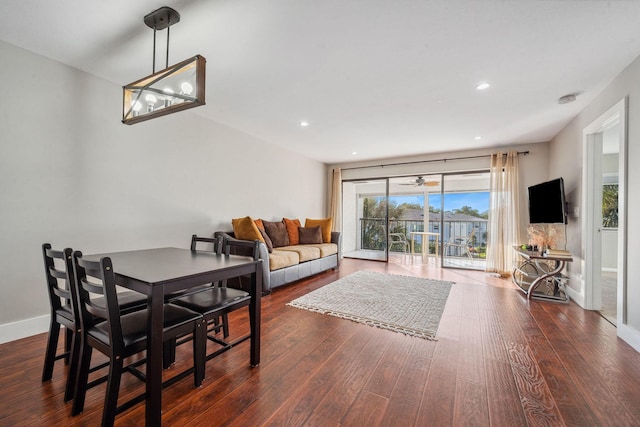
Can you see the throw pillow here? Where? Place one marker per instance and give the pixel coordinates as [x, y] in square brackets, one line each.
[277, 232]
[267, 240]
[325, 224]
[259, 223]
[310, 235]
[246, 229]
[292, 230]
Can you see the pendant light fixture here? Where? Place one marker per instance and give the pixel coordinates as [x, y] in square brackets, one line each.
[175, 88]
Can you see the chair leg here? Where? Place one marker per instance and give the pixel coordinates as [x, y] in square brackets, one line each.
[225, 325]
[168, 353]
[50, 354]
[113, 387]
[73, 367]
[199, 352]
[68, 343]
[80, 388]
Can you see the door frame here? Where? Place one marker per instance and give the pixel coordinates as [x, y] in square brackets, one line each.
[592, 186]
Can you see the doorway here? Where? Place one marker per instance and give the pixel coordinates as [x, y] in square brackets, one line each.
[604, 222]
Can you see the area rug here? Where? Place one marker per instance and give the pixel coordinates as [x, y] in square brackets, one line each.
[410, 305]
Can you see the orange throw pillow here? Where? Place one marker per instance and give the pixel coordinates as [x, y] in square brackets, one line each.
[292, 230]
[325, 225]
[259, 223]
[246, 229]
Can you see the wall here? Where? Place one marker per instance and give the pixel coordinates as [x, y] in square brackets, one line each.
[73, 175]
[566, 158]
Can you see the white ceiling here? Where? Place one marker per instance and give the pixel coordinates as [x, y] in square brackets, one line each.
[384, 78]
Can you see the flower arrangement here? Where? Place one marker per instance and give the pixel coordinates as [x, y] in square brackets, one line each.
[544, 236]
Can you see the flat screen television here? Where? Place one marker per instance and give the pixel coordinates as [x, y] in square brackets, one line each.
[547, 203]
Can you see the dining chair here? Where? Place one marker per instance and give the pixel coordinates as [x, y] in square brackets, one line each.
[462, 244]
[398, 239]
[215, 246]
[58, 267]
[219, 301]
[119, 336]
[62, 311]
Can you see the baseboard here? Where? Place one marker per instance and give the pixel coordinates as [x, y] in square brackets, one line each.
[575, 296]
[24, 328]
[630, 336]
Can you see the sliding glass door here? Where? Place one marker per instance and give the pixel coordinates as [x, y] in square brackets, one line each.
[440, 219]
[364, 219]
[414, 220]
[465, 207]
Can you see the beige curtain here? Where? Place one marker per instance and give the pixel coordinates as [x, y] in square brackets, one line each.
[504, 217]
[336, 199]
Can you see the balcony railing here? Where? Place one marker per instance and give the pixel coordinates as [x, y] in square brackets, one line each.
[373, 235]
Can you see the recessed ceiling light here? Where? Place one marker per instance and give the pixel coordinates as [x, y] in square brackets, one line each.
[354, 153]
[483, 86]
[478, 138]
[304, 123]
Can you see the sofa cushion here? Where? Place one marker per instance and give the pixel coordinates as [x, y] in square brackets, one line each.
[246, 229]
[280, 259]
[325, 224]
[292, 230]
[277, 232]
[305, 252]
[310, 235]
[326, 249]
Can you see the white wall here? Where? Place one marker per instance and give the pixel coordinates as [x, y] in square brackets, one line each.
[71, 174]
[566, 158]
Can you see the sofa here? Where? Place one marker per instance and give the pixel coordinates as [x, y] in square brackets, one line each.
[286, 263]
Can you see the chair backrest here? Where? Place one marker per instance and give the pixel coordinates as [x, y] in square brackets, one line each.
[98, 279]
[214, 244]
[60, 281]
[458, 240]
[245, 247]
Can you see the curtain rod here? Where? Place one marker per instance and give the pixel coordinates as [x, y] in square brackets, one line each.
[430, 161]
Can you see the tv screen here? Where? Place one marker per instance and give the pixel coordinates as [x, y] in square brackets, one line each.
[547, 203]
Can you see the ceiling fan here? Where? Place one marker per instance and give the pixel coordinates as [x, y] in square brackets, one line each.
[419, 181]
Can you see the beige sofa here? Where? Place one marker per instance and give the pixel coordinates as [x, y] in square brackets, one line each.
[287, 264]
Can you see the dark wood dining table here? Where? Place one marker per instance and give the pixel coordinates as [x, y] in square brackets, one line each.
[158, 272]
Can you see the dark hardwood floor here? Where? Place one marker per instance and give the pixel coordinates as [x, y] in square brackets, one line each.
[498, 361]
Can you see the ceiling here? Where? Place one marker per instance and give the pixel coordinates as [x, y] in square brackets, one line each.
[383, 78]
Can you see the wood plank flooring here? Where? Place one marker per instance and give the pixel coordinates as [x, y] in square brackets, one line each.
[499, 361]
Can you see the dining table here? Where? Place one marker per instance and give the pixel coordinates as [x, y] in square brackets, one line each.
[162, 271]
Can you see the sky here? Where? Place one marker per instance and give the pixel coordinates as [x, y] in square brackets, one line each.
[477, 200]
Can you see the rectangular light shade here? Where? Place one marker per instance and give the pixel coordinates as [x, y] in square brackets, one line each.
[176, 88]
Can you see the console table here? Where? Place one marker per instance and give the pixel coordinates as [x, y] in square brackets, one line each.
[540, 276]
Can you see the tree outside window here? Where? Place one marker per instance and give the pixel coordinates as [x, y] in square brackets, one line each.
[610, 205]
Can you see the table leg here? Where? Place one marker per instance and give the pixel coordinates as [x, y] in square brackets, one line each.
[254, 314]
[153, 409]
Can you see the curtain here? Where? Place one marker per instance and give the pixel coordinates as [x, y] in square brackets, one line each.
[336, 199]
[504, 216]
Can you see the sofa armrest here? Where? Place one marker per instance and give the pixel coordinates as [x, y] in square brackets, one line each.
[336, 238]
[248, 251]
